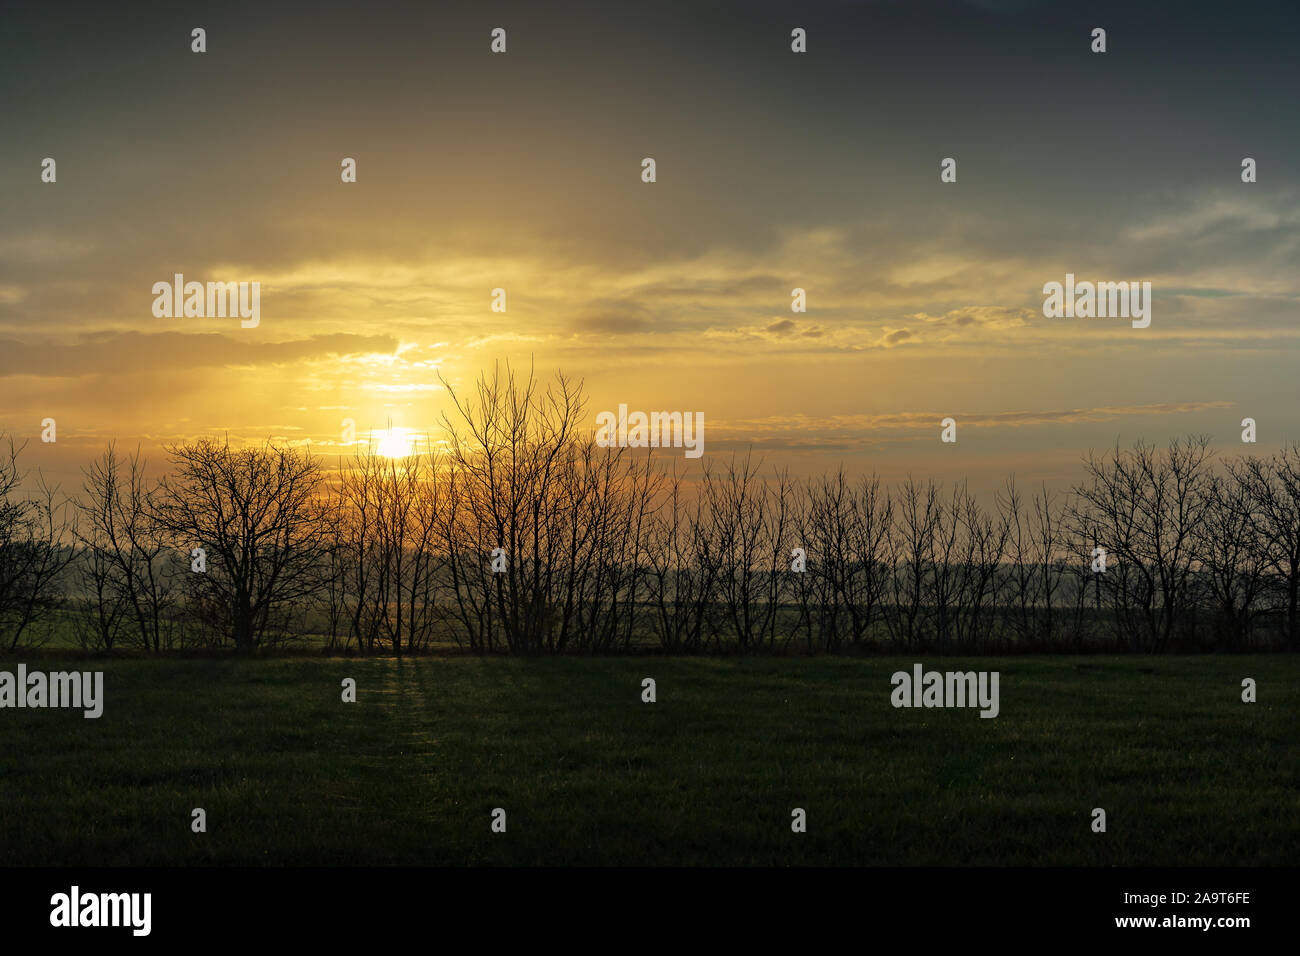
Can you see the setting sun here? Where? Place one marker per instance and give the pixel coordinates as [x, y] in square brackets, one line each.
[394, 442]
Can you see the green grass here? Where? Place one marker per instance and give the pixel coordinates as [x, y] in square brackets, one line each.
[588, 774]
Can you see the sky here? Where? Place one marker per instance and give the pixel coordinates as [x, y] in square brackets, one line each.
[775, 170]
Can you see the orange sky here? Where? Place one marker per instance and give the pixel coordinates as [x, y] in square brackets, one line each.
[522, 171]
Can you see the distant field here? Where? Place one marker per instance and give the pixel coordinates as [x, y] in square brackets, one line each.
[588, 774]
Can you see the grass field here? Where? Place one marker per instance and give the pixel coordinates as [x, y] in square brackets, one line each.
[588, 774]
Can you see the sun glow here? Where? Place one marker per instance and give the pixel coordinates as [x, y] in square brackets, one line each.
[394, 442]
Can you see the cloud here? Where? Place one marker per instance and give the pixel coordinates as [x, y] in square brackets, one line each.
[981, 316]
[139, 353]
[864, 431]
[1218, 215]
[615, 317]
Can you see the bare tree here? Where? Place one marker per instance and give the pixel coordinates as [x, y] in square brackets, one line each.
[984, 547]
[1232, 554]
[1272, 493]
[683, 571]
[256, 514]
[749, 522]
[1037, 561]
[911, 550]
[822, 518]
[130, 562]
[35, 528]
[1147, 507]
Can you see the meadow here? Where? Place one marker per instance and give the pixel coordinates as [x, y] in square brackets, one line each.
[588, 774]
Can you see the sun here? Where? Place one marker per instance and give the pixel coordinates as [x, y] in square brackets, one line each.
[394, 442]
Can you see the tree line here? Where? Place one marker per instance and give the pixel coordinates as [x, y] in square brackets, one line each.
[518, 533]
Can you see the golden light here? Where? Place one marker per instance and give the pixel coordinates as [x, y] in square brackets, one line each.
[394, 442]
